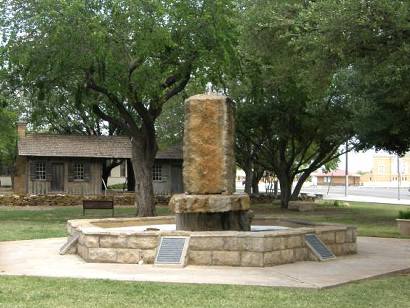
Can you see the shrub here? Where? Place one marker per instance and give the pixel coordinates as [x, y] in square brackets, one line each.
[404, 214]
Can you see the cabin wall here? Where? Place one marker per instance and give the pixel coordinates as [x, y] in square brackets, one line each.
[91, 186]
[171, 182]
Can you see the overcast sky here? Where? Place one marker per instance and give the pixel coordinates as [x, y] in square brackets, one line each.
[360, 161]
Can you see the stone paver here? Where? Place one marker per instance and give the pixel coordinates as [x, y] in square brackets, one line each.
[376, 256]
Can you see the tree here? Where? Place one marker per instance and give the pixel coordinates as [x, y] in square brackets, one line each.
[8, 118]
[303, 121]
[134, 56]
[371, 39]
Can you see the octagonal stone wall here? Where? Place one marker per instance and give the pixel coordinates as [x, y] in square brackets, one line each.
[227, 248]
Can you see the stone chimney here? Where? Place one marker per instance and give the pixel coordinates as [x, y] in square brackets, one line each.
[21, 129]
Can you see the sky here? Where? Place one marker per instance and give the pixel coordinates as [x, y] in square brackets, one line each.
[359, 161]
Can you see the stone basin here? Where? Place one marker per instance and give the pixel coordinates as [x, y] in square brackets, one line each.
[271, 241]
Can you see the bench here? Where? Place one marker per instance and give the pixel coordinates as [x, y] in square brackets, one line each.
[98, 205]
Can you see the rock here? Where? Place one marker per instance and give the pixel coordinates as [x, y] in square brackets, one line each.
[301, 206]
[209, 162]
[184, 203]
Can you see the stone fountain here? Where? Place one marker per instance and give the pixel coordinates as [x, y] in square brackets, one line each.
[210, 202]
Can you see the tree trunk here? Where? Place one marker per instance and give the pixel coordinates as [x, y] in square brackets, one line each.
[130, 176]
[275, 188]
[143, 157]
[285, 190]
[257, 175]
[107, 167]
[299, 185]
[248, 179]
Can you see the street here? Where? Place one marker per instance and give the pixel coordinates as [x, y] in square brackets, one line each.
[379, 192]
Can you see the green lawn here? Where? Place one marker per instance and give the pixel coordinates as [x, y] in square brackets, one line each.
[45, 222]
[50, 292]
[371, 219]
[32, 223]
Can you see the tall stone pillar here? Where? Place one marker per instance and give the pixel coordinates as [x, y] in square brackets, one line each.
[210, 201]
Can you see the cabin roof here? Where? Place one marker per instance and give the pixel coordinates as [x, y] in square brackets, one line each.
[49, 145]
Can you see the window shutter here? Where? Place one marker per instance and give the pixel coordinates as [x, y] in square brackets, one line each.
[33, 165]
[71, 171]
[87, 171]
[49, 172]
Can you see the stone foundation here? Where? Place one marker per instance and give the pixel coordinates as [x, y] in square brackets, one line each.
[70, 200]
[228, 248]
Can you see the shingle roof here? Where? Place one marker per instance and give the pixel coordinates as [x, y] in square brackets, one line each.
[47, 145]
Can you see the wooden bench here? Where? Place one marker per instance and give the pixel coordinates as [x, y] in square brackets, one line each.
[98, 205]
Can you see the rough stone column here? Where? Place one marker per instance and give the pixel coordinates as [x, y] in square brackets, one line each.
[209, 161]
[209, 202]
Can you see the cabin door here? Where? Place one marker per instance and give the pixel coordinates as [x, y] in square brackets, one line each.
[176, 180]
[57, 180]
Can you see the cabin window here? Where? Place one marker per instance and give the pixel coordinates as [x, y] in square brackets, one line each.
[40, 171]
[79, 171]
[157, 172]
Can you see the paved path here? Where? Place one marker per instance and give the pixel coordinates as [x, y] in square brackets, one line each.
[376, 257]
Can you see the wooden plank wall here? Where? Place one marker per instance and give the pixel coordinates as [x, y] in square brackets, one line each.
[91, 187]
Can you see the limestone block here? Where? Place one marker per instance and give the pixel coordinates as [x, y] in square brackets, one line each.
[349, 235]
[340, 237]
[90, 241]
[82, 251]
[233, 243]
[228, 258]
[200, 258]
[350, 248]
[354, 235]
[274, 243]
[287, 256]
[254, 244]
[293, 242]
[272, 258]
[328, 237]
[206, 243]
[300, 254]
[108, 241]
[184, 203]
[148, 255]
[103, 255]
[209, 162]
[301, 206]
[252, 259]
[128, 256]
[142, 242]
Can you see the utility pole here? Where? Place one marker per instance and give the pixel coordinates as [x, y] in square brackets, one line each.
[347, 170]
[398, 177]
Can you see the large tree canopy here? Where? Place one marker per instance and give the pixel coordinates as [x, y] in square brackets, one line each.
[371, 40]
[128, 57]
[298, 123]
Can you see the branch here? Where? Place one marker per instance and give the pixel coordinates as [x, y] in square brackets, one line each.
[120, 107]
[112, 120]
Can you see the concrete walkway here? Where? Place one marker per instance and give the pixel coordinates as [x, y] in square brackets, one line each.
[377, 256]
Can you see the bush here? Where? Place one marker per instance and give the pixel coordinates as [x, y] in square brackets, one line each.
[404, 214]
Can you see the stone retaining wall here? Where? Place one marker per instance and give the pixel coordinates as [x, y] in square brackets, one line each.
[70, 200]
[228, 248]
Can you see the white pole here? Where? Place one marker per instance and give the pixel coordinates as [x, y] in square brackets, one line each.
[346, 171]
[398, 177]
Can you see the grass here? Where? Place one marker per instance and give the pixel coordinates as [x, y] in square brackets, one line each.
[55, 292]
[371, 219]
[45, 222]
